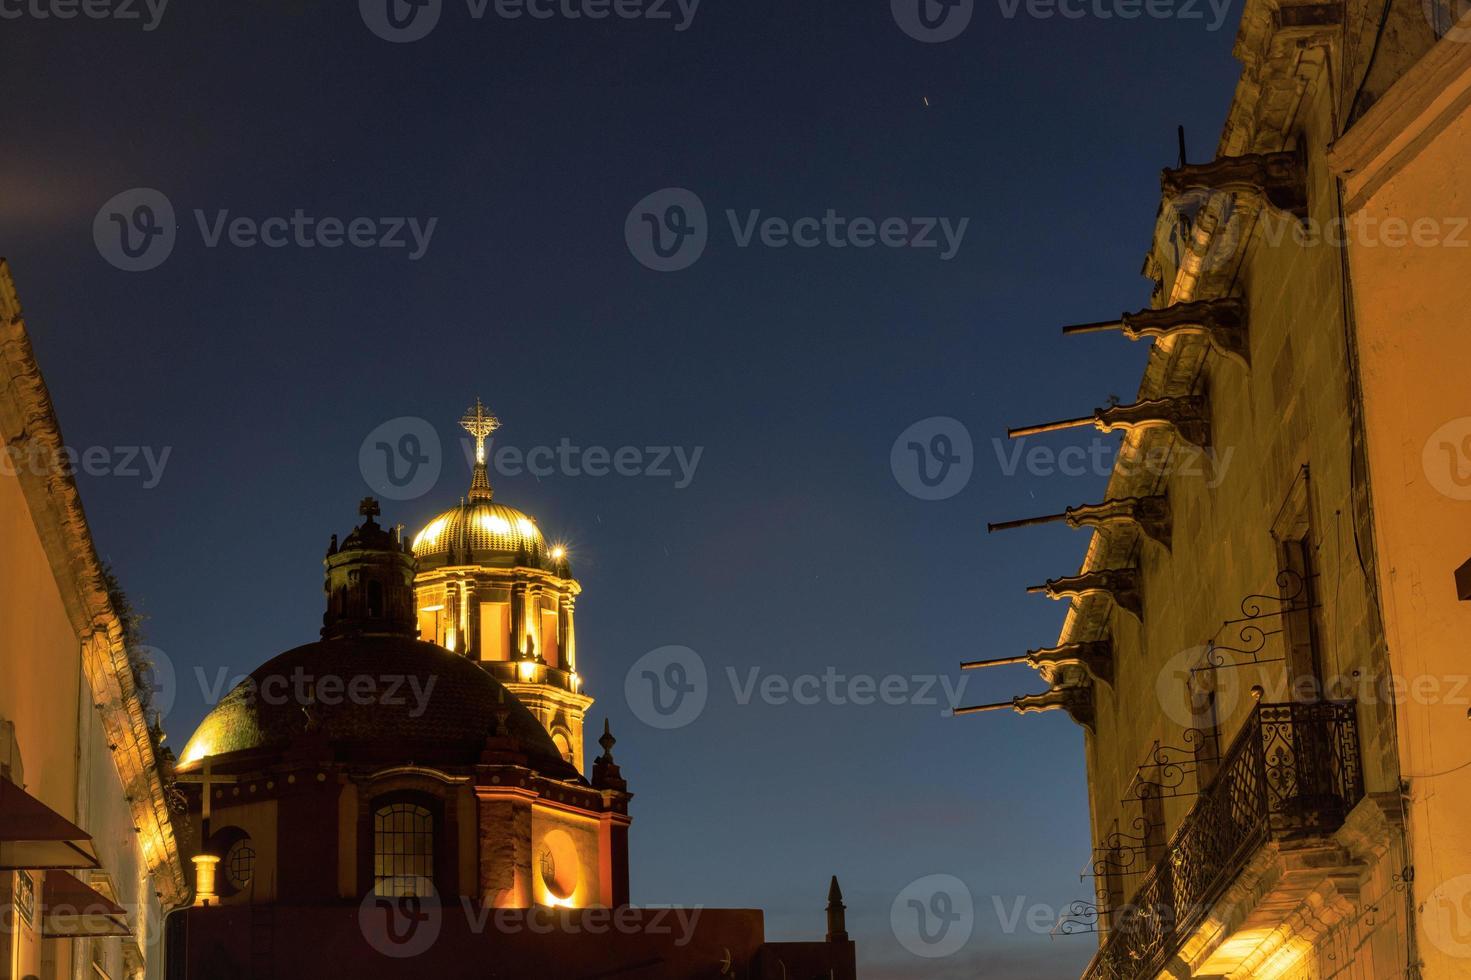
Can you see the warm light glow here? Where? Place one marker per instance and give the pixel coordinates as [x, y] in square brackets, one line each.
[424, 609]
[559, 874]
[558, 553]
[1248, 943]
[575, 681]
[1285, 960]
[203, 742]
[527, 528]
[430, 535]
[526, 670]
[494, 523]
[479, 423]
[204, 878]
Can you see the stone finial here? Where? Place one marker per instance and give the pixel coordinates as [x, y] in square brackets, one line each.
[605, 772]
[607, 741]
[837, 924]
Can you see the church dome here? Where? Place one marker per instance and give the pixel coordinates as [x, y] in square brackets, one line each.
[413, 703]
[480, 532]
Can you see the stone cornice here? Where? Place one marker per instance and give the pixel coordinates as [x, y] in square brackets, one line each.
[499, 575]
[56, 510]
[1281, 47]
[1413, 110]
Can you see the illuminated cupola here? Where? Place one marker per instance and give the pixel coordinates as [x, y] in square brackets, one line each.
[369, 581]
[491, 588]
[370, 765]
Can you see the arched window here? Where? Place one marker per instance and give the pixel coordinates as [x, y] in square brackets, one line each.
[563, 742]
[403, 850]
[236, 852]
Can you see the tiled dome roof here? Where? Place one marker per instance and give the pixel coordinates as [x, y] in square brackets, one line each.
[439, 712]
[480, 532]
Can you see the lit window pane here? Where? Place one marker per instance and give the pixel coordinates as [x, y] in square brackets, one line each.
[403, 850]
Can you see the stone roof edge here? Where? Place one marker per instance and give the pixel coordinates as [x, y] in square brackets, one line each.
[1272, 57]
[61, 523]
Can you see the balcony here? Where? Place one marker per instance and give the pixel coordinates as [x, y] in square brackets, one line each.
[1286, 783]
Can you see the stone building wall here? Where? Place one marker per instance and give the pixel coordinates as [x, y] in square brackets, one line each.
[1406, 176]
[1288, 452]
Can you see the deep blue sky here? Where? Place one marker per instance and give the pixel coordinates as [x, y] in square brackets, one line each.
[794, 548]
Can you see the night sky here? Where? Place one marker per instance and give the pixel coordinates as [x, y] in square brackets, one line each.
[794, 548]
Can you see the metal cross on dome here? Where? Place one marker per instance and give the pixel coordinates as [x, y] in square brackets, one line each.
[479, 423]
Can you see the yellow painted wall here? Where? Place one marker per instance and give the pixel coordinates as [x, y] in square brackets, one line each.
[40, 677]
[40, 657]
[1413, 306]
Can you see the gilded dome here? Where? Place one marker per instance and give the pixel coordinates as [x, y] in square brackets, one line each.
[480, 532]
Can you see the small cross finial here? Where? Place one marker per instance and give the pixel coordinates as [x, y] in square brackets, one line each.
[369, 508]
[479, 422]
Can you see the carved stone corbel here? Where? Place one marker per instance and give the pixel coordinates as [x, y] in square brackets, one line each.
[1119, 584]
[1151, 515]
[1093, 656]
[1278, 180]
[1075, 699]
[1188, 415]
[1220, 321]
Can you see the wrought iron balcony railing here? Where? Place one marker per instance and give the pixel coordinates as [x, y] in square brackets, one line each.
[1293, 772]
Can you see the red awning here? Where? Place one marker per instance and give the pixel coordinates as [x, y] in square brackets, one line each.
[35, 837]
[71, 908]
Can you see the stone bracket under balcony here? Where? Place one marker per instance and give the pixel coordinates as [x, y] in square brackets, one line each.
[1269, 856]
[1285, 900]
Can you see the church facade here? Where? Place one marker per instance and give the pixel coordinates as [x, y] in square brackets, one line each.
[405, 796]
